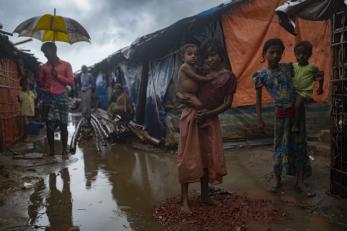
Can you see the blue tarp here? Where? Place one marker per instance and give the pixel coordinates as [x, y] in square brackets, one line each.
[129, 76]
[101, 91]
[160, 74]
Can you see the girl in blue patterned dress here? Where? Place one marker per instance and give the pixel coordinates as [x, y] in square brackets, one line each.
[289, 151]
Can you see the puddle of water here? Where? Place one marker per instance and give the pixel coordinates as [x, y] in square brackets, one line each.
[119, 188]
[113, 190]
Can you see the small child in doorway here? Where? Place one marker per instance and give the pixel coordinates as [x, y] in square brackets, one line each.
[26, 98]
[305, 74]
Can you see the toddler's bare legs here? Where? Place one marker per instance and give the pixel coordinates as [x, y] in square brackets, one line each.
[198, 106]
[298, 108]
[190, 99]
[179, 96]
[195, 101]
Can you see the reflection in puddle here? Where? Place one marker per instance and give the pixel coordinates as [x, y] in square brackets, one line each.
[119, 188]
[114, 190]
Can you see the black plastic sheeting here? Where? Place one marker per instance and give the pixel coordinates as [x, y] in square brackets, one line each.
[165, 41]
[307, 9]
[160, 74]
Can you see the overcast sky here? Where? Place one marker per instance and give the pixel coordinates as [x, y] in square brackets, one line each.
[112, 24]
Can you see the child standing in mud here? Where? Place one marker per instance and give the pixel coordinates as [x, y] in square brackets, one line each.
[26, 98]
[305, 74]
[200, 156]
[290, 151]
[188, 87]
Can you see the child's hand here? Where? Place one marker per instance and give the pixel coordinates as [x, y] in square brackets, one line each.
[211, 76]
[180, 97]
[319, 74]
[202, 116]
[319, 91]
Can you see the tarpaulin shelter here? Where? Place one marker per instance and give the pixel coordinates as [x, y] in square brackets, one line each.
[246, 29]
[148, 67]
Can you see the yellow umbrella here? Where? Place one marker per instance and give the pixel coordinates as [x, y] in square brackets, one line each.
[53, 28]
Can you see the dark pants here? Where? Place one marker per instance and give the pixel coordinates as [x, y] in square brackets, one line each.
[51, 126]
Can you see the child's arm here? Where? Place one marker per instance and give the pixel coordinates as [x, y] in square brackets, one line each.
[33, 93]
[191, 74]
[319, 76]
[19, 97]
[204, 114]
[258, 108]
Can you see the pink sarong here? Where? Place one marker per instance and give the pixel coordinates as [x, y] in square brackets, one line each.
[212, 150]
[189, 161]
[200, 148]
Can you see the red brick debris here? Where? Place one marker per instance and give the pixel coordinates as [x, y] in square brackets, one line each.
[235, 212]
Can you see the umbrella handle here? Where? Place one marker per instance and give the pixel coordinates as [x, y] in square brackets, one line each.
[54, 25]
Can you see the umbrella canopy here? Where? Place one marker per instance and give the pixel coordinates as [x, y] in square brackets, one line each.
[53, 28]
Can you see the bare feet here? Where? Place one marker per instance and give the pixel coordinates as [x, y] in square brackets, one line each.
[210, 202]
[276, 188]
[305, 190]
[185, 208]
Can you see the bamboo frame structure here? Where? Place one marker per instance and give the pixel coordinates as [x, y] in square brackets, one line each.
[338, 83]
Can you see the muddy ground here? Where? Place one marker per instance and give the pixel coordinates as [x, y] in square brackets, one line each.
[121, 187]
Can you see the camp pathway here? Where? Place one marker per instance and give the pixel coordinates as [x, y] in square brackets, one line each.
[121, 187]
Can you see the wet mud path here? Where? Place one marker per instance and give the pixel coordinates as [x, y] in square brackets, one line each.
[119, 189]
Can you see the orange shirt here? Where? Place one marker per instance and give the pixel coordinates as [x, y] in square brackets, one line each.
[51, 85]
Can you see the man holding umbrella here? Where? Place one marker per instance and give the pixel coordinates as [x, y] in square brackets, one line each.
[56, 74]
[52, 79]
